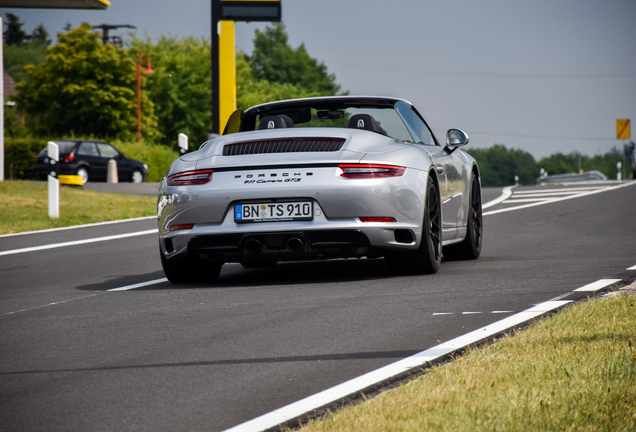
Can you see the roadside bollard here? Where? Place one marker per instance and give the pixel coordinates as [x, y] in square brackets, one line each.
[53, 153]
[183, 143]
[112, 171]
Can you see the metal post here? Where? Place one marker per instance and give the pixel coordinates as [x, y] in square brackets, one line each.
[1, 109]
[216, 17]
[53, 154]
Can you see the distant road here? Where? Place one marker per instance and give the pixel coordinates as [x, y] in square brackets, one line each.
[163, 357]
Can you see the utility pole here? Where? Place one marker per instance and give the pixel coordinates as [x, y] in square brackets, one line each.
[115, 40]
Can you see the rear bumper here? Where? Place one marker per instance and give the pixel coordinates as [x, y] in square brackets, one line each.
[284, 245]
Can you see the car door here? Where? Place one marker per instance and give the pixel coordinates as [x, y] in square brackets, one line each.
[450, 172]
[449, 166]
[88, 155]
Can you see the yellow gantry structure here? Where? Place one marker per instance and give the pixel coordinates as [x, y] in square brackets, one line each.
[224, 15]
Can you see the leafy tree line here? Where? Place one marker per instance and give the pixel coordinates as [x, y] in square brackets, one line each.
[82, 87]
[499, 165]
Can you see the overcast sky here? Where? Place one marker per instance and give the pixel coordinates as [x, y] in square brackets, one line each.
[544, 76]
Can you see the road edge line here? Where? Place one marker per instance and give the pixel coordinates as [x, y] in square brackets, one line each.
[299, 408]
[78, 226]
[77, 242]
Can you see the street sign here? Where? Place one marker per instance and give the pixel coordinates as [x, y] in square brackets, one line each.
[622, 129]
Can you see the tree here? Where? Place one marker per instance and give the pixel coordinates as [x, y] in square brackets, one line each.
[14, 35]
[21, 50]
[16, 57]
[180, 87]
[559, 163]
[499, 166]
[40, 36]
[275, 61]
[84, 88]
[252, 91]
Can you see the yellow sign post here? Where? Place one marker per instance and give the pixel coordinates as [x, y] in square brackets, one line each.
[622, 129]
[227, 72]
[224, 14]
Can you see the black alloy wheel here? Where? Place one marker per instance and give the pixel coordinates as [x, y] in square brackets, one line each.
[470, 248]
[190, 268]
[428, 256]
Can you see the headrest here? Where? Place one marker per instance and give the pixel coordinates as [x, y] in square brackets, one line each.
[364, 121]
[275, 122]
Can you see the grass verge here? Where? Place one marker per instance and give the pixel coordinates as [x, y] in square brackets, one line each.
[575, 370]
[25, 207]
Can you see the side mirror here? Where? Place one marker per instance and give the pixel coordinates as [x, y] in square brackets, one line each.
[456, 138]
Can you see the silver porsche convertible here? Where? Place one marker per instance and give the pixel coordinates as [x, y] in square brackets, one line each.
[321, 178]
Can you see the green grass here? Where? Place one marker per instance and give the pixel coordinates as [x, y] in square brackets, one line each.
[25, 207]
[575, 370]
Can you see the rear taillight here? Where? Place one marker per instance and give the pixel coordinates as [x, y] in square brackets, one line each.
[377, 219]
[370, 171]
[189, 178]
[181, 227]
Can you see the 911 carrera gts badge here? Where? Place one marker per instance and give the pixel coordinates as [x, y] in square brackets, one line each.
[270, 181]
[272, 177]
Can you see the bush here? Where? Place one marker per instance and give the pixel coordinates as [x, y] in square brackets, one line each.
[158, 157]
[499, 165]
[19, 156]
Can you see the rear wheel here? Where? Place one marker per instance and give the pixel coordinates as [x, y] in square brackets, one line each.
[190, 268]
[470, 248]
[137, 176]
[83, 173]
[427, 257]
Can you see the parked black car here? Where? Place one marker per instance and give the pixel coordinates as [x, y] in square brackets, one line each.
[89, 160]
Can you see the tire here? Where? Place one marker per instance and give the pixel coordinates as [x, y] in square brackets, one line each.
[137, 176]
[190, 268]
[83, 173]
[428, 256]
[470, 247]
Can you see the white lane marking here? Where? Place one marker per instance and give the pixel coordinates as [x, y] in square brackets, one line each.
[47, 305]
[632, 268]
[79, 226]
[560, 191]
[595, 286]
[296, 409]
[139, 285]
[505, 194]
[442, 313]
[514, 200]
[470, 313]
[501, 312]
[592, 192]
[78, 242]
[529, 194]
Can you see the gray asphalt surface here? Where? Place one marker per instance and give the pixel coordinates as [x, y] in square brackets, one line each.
[76, 357]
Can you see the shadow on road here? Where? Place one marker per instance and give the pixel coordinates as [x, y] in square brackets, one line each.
[285, 273]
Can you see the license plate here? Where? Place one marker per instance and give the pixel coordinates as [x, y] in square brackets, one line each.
[274, 212]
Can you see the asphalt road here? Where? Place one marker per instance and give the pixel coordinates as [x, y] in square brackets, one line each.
[77, 357]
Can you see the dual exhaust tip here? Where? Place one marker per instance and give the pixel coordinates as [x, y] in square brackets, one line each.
[254, 245]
